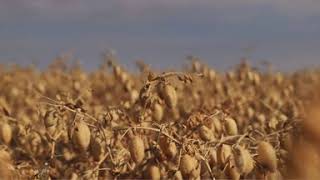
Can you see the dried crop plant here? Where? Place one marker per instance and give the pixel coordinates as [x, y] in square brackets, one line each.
[197, 123]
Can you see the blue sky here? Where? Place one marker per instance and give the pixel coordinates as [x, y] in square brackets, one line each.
[284, 32]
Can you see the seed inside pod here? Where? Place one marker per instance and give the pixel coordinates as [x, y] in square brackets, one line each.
[136, 148]
[123, 77]
[134, 95]
[6, 167]
[205, 133]
[5, 156]
[250, 112]
[217, 125]
[195, 174]
[232, 171]
[243, 160]
[261, 118]
[153, 172]
[34, 143]
[157, 112]
[196, 66]
[6, 133]
[81, 136]
[168, 147]
[117, 71]
[212, 74]
[188, 164]
[169, 94]
[68, 155]
[231, 126]
[50, 118]
[223, 154]
[73, 176]
[267, 156]
[213, 157]
[270, 175]
[52, 130]
[177, 175]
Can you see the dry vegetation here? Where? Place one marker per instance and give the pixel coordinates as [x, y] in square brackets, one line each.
[66, 123]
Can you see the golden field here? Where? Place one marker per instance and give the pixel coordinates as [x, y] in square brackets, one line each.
[197, 123]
